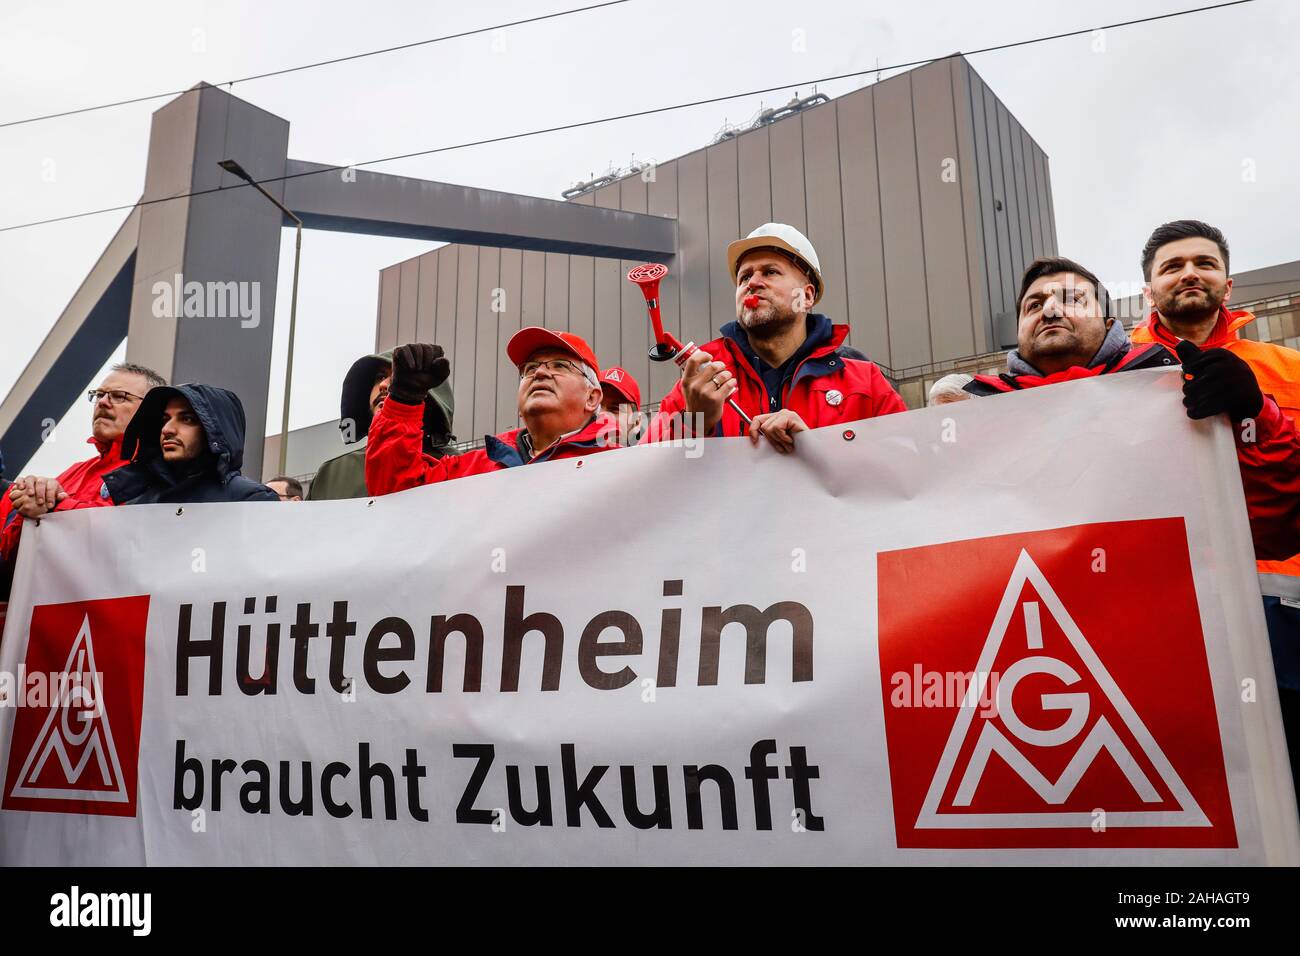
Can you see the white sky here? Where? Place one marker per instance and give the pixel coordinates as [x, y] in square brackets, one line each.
[1159, 125]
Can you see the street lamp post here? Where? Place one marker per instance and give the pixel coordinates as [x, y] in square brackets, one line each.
[232, 167]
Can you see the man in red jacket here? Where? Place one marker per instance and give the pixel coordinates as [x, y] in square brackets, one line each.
[1064, 335]
[559, 402]
[116, 400]
[1189, 288]
[779, 361]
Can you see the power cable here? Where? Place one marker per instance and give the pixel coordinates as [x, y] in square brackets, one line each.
[622, 116]
[312, 66]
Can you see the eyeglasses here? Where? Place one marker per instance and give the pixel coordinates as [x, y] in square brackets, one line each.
[554, 366]
[115, 396]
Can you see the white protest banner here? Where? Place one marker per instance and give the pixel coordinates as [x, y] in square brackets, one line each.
[1019, 629]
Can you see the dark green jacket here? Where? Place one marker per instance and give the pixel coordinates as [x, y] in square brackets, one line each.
[345, 476]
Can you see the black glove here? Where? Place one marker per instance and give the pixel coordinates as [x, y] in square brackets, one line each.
[1216, 381]
[416, 369]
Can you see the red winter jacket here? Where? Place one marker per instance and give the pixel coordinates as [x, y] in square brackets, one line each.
[395, 459]
[82, 482]
[1277, 369]
[826, 388]
[1270, 464]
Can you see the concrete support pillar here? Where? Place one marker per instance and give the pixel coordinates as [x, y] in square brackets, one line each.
[203, 294]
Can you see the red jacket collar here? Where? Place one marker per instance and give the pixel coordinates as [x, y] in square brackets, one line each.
[1067, 375]
[587, 433]
[838, 334]
[1138, 357]
[109, 451]
[505, 449]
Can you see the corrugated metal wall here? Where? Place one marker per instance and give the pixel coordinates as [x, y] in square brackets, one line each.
[1011, 170]
[918, 264]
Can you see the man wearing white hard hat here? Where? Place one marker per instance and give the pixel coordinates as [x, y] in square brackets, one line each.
[780, 361]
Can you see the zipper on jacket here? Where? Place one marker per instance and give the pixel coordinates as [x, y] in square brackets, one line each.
[785, 389]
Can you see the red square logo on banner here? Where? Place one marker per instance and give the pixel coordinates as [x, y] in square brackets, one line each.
[75, 745]
[1051, 689]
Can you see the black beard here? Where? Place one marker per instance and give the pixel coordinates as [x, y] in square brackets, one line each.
[189, 467]
[1170, 309]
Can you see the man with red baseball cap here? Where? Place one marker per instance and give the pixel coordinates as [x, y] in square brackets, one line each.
[559, 401]
[621, 400]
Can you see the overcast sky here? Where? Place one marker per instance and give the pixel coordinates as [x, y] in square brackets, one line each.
[1191, 117]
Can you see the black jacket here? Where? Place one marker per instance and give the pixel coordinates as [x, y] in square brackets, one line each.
[213, 476]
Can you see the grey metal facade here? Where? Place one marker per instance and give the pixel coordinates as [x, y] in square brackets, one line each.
[923, 267]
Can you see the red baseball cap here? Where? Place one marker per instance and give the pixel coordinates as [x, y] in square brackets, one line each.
[527, 341]
[615, 379]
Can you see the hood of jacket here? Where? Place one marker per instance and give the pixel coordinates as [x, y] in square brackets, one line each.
[354, 402]
[1113, 346]
[219, 412]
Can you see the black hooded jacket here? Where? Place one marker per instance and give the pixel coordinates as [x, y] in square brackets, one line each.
[212, 476]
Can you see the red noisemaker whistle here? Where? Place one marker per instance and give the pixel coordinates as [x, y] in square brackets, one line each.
[666, 344]
[751, 301]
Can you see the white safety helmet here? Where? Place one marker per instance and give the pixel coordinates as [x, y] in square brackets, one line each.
[787, 239]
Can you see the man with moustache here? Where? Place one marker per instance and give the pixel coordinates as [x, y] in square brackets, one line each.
[185, 445]
[781, 362]
[1188, 286]
[1063, 334]
[559, 401]
[1185, 265]
[115, 400]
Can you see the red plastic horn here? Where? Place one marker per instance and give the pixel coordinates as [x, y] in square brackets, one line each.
[647, 279]
[666, 344]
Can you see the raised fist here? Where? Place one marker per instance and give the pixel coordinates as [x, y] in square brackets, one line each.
[416, 369]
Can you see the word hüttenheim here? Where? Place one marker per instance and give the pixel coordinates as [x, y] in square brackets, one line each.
[390, 646]
[388, 659]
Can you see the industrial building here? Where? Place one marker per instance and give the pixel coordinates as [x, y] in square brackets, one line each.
[923, 195]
